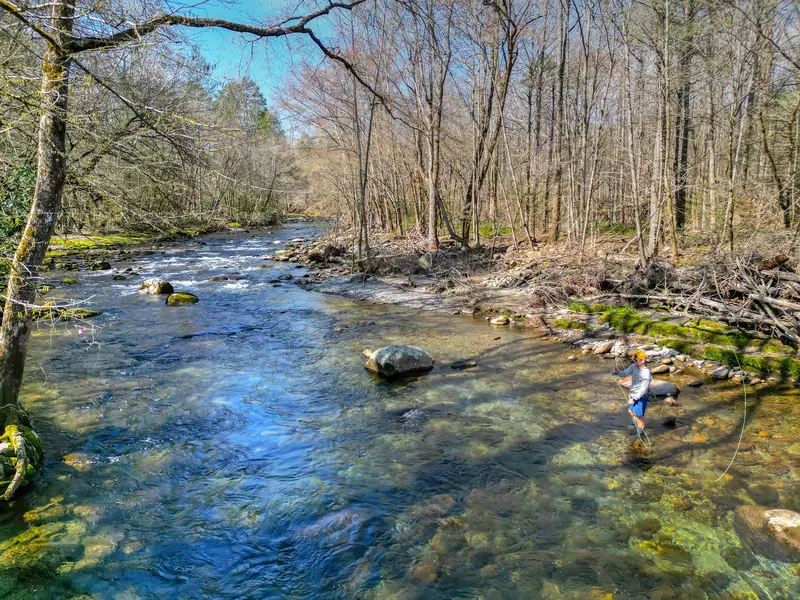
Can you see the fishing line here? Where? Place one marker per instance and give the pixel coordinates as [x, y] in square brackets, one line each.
[744, 416]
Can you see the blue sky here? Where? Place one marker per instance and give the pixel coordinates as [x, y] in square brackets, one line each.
[231, 55]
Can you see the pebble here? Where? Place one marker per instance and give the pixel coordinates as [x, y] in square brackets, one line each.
[463, 364]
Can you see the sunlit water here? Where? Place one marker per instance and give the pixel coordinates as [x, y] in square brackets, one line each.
[237, 448]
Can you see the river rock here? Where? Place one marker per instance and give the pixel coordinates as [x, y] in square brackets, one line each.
[603, 347]
[669, 421]
[101, 266]
[463, 364]
[670, 401]
[658, 387]
[119, 278]
[285, 277]
[157, 286]
[773, 533]
[181, 299]
[394, 361]
[69, 281]
[720, 373]
[660, 370]
[695, 383]
[501, 320]
[218, 278]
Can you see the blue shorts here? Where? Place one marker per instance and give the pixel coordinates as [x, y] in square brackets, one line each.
[639, 407]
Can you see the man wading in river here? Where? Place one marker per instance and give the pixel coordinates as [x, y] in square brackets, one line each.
[640, 386]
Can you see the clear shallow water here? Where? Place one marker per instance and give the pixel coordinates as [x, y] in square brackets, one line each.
[238, 449]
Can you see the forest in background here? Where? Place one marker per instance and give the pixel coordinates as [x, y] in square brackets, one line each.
[155, 142]
[675, 122]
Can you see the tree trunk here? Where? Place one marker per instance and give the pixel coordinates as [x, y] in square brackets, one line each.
[555, 208]
[51, 175]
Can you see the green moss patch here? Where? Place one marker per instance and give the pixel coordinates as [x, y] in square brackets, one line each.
[628, 320]
[579, 307]
[788, 367]
[570, 324]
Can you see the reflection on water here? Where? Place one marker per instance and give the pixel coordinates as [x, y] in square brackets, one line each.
[238, 449]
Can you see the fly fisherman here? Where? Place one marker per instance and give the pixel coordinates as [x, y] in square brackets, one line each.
[640, 386]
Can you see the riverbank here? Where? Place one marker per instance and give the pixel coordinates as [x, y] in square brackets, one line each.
[558, 295]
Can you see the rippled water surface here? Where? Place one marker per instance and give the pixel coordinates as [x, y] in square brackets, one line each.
[237, 448]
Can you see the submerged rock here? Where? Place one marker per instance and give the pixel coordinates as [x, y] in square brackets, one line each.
[393, 361]
[181, 299]
[103, 265]
[285, 277]
[463, 364]
[773, 533]
[157, 286]
[218, 278]
[69, 281]
[695, 383]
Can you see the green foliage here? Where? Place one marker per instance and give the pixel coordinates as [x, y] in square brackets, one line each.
[16, 197]
[234, 225]
[614, 228]
[488, 230]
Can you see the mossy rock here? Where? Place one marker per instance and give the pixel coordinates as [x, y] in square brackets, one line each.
[119, 278]
[65, 314]
[69, 281]
[586, 309]
[157, 286]
[103, 265]
[628, 320]
[569, 324]
[44, 288]
[181, 299]
[18, 440]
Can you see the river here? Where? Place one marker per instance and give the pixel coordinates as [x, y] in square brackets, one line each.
[237, 448]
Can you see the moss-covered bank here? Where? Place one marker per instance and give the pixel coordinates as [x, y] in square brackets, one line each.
[700, 338]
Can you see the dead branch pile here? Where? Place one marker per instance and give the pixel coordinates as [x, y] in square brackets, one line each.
[746, 291]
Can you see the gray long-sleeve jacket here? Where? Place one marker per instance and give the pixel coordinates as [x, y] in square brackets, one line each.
[640, 380]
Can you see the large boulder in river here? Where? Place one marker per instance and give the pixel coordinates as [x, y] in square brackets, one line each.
[157, 286]
[394, 361]
[181, 299]
[770, 532]
[658, 387]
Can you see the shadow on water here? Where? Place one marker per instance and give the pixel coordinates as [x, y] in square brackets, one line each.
[238, 449]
